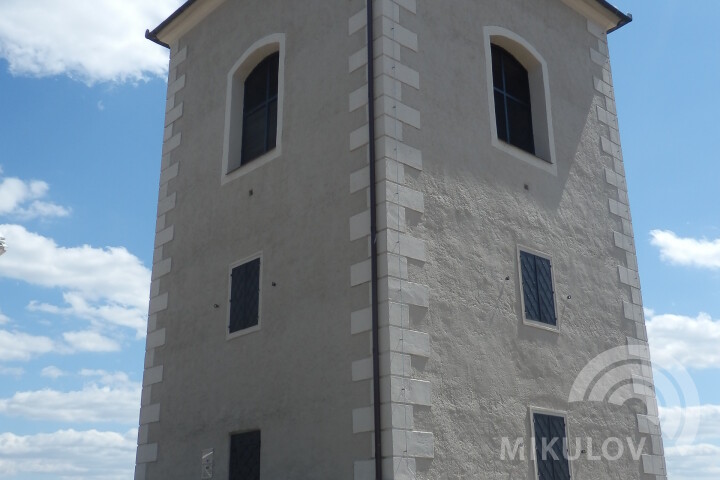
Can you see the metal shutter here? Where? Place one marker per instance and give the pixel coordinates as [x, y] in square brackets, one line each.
[530, 286]
[550, 427]
[245, 295]
[538, 293]
[546, 299]
[245, 456]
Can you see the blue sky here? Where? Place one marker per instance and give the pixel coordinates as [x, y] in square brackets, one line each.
[82, 97]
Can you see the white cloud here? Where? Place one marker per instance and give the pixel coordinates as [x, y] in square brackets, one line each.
[110, 398]
[109, 378]
[16, 346]
[707, 417]
[90, 341]
[22, 199]
[97, 41]
[52, 371]
[19, 346]
[701, 449]
[3, 318]
[108, 286]
[120, 315]
[696, 460]
[699, 462]
[69, 454]
[691, 341]
[690, 252]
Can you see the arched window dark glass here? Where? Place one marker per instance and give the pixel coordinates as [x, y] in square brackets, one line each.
[513, 112]
[260, 102]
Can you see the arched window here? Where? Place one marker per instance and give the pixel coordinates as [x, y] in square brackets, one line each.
[254, 108]
[519, 99]
[259, 125]
[513, 111]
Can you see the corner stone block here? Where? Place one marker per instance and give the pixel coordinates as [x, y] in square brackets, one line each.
[653, 464]
[364, 470]
[147, 453]
[400, 468]
[140, 471]
[406, 390]
[150, 414]
[363, 420]
[153, 375]
[158, 303]
[155, 339]
[413, 444]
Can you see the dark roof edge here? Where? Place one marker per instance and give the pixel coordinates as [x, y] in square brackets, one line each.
[625, 18]
[153, 35]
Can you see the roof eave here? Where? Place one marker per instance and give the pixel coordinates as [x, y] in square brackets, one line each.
[181, 21]
[624, 18]
[154, 35]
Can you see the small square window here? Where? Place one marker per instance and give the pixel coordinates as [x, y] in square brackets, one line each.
[245, 456]
[538, 293]
[244, 296]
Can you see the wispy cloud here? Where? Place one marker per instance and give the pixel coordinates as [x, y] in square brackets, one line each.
[69, 454]
[690, 252]
[107, 286]
[696, 460]
[97, 41]
[18, 346]
[693, 341]
[707, 417]
[52, 371]
[90, 341]
[24, 199]
[108, 397]
[11, 371]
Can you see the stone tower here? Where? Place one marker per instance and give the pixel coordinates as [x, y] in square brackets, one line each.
[294, 331]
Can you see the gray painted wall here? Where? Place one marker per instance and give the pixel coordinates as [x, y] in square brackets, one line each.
[277, 378]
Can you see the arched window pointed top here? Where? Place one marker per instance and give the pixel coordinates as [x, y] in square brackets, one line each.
[519, 99]
[254, 108]
[259, 126]
[513, 110]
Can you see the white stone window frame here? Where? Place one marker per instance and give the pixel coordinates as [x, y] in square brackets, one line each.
[254, 328]
[526, 321]
[232, 141]
[540, 104]
[555, 413]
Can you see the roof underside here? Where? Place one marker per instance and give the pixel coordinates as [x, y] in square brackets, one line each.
[624, 19]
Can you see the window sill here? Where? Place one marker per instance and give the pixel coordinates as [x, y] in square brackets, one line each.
[243, 332]
[524, 156]
[541, 325]
[254, 164]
